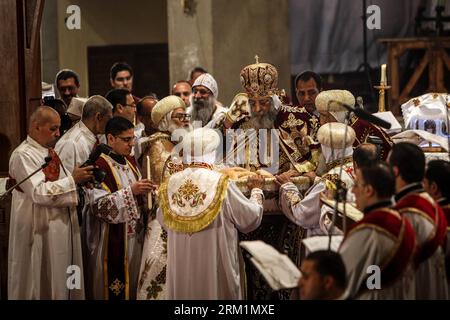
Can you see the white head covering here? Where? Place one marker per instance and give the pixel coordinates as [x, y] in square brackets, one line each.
[200, 145]
[334, 142]
[339, 115]
[76, 106]
[331, 100]
[207, 81]
[162, 111]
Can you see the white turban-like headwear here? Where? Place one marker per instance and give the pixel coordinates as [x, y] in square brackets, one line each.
[200, 145]
[209, 82]
[336, 140]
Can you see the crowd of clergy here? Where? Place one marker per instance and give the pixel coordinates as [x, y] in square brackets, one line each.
[149, 198]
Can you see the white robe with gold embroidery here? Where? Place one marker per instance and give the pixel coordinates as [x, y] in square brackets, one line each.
[309, 212]
[111, 208]
[205, 264]
[44, 237]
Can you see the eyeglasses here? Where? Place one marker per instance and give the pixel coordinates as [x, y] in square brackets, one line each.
[186, 94]
[201, 91]
[181, 116]
[130, 105]
[127, 139]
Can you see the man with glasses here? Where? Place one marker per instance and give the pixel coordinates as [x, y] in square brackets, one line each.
[168, 115]
[117, 219]
[183, 90]
[205, 107]
[123, 104]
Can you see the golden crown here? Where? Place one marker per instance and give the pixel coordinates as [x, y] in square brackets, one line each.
[259, 80]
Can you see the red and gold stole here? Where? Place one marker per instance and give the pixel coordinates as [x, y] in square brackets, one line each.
[418, 204]
[115, 261]
[399, 229]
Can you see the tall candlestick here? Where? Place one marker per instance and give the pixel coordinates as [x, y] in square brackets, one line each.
[149, 177]
[383, 74]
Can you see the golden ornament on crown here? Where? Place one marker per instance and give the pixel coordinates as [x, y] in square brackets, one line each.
[259, 80]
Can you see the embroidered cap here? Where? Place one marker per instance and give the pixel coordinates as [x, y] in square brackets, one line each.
[200, 145]
[332, 100]
[164, 106]
[207, 81]
[333, 135]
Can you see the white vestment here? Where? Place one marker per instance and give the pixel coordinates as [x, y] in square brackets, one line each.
[204, 264]
[371, 247]
[309, 212]
[113, 208]
[431, 278]
[44, 239]
[138, 130]
[75, 146]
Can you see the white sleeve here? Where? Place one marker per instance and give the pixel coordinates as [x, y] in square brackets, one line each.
[303, 212]
[59, 193]
[246, 214]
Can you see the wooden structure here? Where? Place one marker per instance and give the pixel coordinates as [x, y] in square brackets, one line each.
[20, 22]
[435, 57]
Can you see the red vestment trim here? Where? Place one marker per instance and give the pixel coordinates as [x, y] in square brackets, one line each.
[387, 221]
[415, 202]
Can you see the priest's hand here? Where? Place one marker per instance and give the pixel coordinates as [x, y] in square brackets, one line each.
[143, 186]
[256, 181]
[311, 176]
[285, 177]
[239, 108]
[82, 175]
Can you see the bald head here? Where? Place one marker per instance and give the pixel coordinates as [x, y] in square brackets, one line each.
[144, 112]
[44, 126]
[43, 114]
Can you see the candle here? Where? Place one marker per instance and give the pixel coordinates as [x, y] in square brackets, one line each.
[383, 74]
[149, 177]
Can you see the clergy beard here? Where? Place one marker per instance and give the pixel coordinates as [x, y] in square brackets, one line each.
[265, 121]
[173, 126]
[202, 110]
